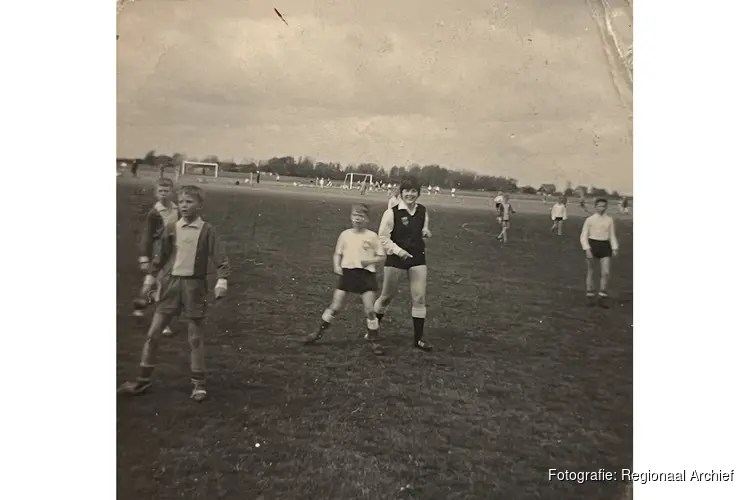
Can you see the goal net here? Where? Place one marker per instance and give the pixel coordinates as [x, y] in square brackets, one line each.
[353, 180]
[200, 168]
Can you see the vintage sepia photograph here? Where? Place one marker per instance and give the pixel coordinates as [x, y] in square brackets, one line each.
[374, 250]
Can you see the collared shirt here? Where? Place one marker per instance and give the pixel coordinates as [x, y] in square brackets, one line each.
[355, 246]
[600, 228]
[388, 223]
[186, 246]
[187, 249]
[559, 210]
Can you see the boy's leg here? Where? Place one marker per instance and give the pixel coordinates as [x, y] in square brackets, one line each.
[148, 356]
[373, 325]
[590, 286]
[336, 304]
[197, 359]
[418, 289]
[194, 294]
[390, 288]
[554, 226]
[559, 228]
[604, 281]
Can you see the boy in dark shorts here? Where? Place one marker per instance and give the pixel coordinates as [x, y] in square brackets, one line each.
[358, 251]
[186, 248]
[599, 242]
[559, 214]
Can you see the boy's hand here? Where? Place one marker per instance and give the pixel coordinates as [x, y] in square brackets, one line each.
[338, 270]
[220, 290]
[589, 255]
[615, 252]
[426, 233]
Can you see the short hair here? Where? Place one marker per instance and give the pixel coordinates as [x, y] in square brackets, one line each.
[361, 208]
[409, 183]
[192, 191]
[165, 182]
[601, 200]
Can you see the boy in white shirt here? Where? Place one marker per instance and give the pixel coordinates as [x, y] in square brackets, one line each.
[559, 214]
[358, 251]
[599, 242]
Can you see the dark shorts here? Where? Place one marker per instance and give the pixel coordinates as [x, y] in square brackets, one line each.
[600, 249]
[399, 263]
[357, 281]
[558, 219]
[182, 295]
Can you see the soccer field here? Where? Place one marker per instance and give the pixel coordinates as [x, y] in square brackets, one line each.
[524, 376]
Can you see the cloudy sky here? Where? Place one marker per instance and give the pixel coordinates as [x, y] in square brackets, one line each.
[519, 88]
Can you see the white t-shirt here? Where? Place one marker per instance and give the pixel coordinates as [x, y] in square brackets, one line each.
[498, 199]
[355, 246]
[559, 210]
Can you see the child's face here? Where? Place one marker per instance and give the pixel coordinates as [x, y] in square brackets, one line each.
[359, 220]
[189, 206]
[601, 207]
[409, 195]
[163, 193]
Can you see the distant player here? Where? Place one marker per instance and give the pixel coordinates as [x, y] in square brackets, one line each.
[185, 250]
[582, 202]
[599, 242]
[559, 214]
[498, 200]
[163, 212]
[358, 251]
[402, 232]
[625, 205]
[394, 199]
[504, 212]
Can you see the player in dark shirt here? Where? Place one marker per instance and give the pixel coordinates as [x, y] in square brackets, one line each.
[403, 230]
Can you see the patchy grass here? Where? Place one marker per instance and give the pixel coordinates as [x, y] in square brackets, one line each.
[524, 377]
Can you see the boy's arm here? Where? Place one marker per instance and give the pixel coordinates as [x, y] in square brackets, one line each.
[146, 243]
[585, 236]
[338, 254]
[217, 253]
[161, 258]
[384, 233]
[612, 236]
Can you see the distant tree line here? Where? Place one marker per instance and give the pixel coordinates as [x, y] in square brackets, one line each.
[434, 175]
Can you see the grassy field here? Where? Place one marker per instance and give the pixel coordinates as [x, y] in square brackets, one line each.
[524, 376]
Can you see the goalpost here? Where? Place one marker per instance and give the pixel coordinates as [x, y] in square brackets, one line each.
[350, 179]
[189, 167]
